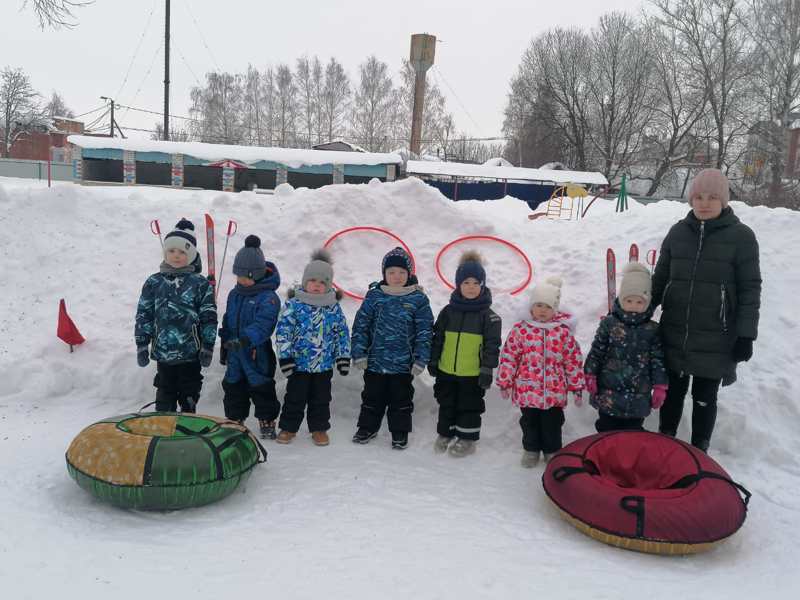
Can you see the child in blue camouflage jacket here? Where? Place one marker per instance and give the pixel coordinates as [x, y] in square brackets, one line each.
[312, 336]
[176, 322]
[247, 327]
[391, 343]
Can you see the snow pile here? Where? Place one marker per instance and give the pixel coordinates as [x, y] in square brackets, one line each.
[352, 521]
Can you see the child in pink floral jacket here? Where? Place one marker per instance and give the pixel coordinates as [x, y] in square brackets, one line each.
[541, 364]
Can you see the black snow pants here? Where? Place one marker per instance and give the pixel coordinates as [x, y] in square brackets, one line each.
[387, 393]
[178, 384]
[307, 389]
[704, 407]
[461, 405]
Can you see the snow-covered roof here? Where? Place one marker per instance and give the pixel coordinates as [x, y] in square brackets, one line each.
[417, 167]
[291, 157]
[497, 161]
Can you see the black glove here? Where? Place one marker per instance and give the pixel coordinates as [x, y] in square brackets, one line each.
[223, 355]
[343, 366]
[143, 355]
[433, 370]
[743, 349]
[485, 378]
[287, 366]
[206, 354]
[237, 344]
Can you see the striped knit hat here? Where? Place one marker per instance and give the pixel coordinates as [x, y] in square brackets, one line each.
[182, 238]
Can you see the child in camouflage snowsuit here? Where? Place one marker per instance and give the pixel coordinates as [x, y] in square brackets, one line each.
[625, 373]
[312, 336]
[465, 350]
[391, 343]
[250, 317]
[176, 322]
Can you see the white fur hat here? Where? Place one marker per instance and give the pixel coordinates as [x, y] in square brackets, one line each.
[635, 281]
[548, 292]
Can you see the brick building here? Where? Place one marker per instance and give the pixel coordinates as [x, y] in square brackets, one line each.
[52, 133]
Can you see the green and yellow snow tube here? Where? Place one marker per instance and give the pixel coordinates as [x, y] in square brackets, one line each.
[163, 461]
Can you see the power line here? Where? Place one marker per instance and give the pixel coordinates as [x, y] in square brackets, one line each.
[185, 62]
[138, 47]
[464, 108]
[202, 37]
[89, 112]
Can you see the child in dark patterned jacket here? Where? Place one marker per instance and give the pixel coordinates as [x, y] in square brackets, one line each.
[176, 322]
[312, 336]
[391, 343]
[624, 370]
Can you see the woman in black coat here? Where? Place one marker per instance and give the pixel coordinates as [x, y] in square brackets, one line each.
[708, 283]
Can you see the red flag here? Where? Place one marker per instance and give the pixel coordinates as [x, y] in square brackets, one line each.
[66, 328]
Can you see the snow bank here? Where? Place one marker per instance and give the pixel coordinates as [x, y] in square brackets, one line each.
[352, 521]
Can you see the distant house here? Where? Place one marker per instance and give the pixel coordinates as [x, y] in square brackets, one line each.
[339, 146]
[45, 139]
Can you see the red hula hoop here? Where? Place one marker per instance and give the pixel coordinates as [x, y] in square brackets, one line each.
[485, 237]
[369, 228]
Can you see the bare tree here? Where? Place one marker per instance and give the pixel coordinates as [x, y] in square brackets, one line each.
[318, 90]
[557, 62]
[56, 107]
[775, 29]
[678, 105]
[257, 106]
[55, 13]
[372, 114]
[19, 109]
[713, 36]
[335, 99]
[307, 98]
[177, 132]
[619, 87]
[218, 108]
[285, 106]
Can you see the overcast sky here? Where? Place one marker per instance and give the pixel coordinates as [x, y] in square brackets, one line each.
[480, 49]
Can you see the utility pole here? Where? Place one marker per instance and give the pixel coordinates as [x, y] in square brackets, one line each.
[111, 122]
[166, 73]
[423, 49]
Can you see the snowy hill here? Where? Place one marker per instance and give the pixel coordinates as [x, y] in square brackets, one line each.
[348, 521]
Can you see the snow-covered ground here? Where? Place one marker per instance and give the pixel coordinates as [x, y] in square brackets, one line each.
[351, 521]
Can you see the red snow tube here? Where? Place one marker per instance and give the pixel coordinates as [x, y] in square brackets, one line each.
[645, 491]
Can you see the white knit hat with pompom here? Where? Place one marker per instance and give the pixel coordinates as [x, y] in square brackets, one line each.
[548, 292]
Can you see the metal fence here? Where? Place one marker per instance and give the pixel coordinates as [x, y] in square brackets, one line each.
[35, 169]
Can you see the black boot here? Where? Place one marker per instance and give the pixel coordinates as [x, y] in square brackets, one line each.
[267, 429]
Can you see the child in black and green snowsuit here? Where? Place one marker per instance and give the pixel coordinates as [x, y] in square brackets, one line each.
[466, 347]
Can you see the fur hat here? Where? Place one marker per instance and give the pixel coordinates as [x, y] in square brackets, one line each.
[397, 257]
[182, 238]
[470, 265]
[635, 281]
[548, 292]
[320, 268]
[250, 261]
[710, 181]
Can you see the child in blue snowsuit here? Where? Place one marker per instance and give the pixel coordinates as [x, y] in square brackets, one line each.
[176, 322]
[391, 343]
[250, 317]
[312, 336]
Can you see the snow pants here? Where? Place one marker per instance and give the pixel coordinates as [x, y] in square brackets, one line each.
[247, 381]
[461, 405]
[608, 423]
[387, 393]
[178, 384]
[704, 407]
[541, 429]
[307, 389]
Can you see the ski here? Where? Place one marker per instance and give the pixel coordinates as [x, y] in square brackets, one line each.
[633, 253]
[210, 250]
[651, 259]
[611, 277]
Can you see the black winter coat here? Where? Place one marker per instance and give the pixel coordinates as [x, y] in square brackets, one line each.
[708, 283]
[627, 359]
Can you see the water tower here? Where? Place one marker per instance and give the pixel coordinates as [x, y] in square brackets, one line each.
[423, 49]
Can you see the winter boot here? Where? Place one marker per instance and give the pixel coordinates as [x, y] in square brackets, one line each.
[188, 404]
[399, 440]
[701, 444]
[320, 438]
[462, 448]
[285, 437]
[529, 459]
[441, 444]
[363, 436]
[267, 429]
[547, 456]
